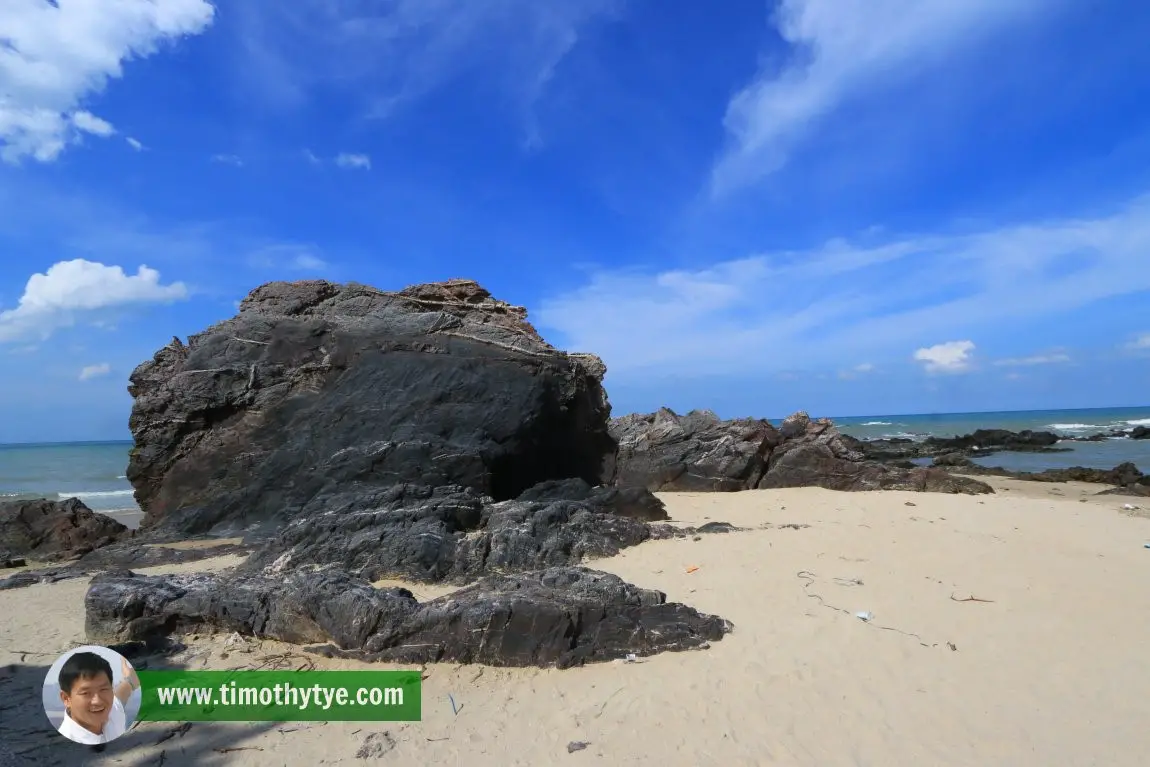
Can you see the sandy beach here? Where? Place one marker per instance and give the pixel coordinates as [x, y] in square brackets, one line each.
[1007, 629]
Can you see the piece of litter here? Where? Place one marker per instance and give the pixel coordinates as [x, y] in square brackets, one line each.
[576, 745]
[1129, 507]
[1146, 545]
[454, 708]
[692, 569]
[631, 658]
[865, 615]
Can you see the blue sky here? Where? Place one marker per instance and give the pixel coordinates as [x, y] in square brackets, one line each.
[851, 208]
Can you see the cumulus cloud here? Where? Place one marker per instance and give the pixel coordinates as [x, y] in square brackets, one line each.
[841, 301]
[71, 290]
[1037, 359]
[54, 56]
[353, 161]
[841, 50]
[89, 372]
[949, 357]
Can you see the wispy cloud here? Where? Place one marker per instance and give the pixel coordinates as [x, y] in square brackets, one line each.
[228, 159]
[843, 301]
[54, 55]
[73, 290]
[289, 256]
[392, 54]
[89, 372]
[135, 144]
[841, 51]
[353, 161]
[1037, 359]
[1140, 342]
[949, 357]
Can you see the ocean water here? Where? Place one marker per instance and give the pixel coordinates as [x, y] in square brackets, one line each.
[91, 471]
[1067, 423]
[94, 471]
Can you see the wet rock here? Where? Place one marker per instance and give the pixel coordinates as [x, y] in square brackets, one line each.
[952, 459]
[54, 530]
[560, 616]
[316, 387]
[1140, 432]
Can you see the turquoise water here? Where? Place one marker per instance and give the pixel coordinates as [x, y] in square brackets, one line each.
[94, 471]
[90, 471]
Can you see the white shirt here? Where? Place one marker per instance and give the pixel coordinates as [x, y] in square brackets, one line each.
[113, 728]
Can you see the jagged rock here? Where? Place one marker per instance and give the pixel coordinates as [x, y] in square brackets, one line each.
[47, 575]
[454, 534]
[559, 616]
[314, 387]
[1140, 432]
[54, 530]
[1123, 475]
[666, 452]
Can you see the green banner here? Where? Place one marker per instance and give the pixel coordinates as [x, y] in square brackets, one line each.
[280, 696]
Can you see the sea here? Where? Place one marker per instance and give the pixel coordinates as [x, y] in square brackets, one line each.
[95, 472]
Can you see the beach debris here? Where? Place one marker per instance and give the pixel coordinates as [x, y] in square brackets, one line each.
[848, 581]
[692, 569]
[865, 616]
[953, 647]
[454, 708]
[971, 598]
[910, 503]
[1129, 507]
[631, 658]
[375, 745]
[1146, 545]
[180, 730]
[576, 745]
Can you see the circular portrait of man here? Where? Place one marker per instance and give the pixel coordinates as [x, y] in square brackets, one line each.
[91, 695]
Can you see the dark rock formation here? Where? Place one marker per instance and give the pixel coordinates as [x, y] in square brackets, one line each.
[143, 552]
[560, 616]
[47, 575]
[1123, 476]
[667, 452]
[453, 534]
[314, 387]
[1140, 432]
[54, 530]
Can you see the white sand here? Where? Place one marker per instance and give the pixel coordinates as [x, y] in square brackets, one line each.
[1052, 671]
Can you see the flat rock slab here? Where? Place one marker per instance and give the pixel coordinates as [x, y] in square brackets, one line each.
[560, 616]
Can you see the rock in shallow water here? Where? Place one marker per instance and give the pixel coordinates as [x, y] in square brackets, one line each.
[560, 616]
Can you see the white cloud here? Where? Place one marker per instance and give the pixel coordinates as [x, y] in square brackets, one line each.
[1037, 359]
[950, 357]
[1141, 342]
[346, 160]
[54, 56]
[69, 290]
[89, 123]
[865, 367]
[843, 302]
[89, 372]
[311, 157]
[842, 50]
[135, 144]
[228, 159]
[858, 370]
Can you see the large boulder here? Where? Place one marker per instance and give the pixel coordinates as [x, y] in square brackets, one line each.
[54, 530]
[560, 616]
[667, 452]
[315, 386]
